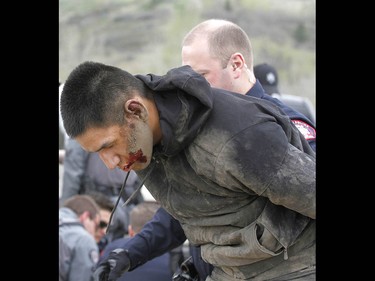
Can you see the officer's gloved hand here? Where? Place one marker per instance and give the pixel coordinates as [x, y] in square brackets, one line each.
[116, 264]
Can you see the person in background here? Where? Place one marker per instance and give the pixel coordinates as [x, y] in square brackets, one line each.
[106, 207]
[233, 169]
[157, 269]
[220, 51]
[78, 252]
[269, 78]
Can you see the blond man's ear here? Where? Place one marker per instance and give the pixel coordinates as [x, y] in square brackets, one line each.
[131, 232]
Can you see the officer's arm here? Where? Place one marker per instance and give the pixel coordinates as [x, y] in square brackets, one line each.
[160, 235]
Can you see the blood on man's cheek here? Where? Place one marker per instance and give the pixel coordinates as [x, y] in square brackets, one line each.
[134, 157]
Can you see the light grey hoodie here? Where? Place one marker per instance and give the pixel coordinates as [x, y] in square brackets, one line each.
[78, 251]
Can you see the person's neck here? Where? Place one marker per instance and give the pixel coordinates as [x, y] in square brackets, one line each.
[154, 122]
[245, 87]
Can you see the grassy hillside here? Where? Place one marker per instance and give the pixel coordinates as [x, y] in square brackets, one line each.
[144, 36]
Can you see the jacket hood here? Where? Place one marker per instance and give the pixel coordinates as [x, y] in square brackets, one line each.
[67, 216]
[184, 100]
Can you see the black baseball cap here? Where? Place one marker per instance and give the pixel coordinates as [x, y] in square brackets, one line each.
[267, 76]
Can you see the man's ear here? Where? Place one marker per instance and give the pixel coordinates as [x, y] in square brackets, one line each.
[131, 231]
[237, 60]
[84, 216]
[134, 107]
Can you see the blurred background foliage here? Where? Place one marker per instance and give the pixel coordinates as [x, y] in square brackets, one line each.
[144, 36]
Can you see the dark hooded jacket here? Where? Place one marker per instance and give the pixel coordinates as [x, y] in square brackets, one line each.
[233, 169]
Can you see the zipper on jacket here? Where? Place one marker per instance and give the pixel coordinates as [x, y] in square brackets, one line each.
[285, 253]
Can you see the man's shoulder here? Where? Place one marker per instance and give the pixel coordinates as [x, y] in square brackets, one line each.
[298, 103]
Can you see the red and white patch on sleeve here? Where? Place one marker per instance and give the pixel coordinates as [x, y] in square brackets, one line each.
[307, 131]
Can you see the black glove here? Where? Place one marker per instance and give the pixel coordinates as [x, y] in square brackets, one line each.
[116, 264]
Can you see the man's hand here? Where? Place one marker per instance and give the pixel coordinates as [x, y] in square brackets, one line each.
[116, 264]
